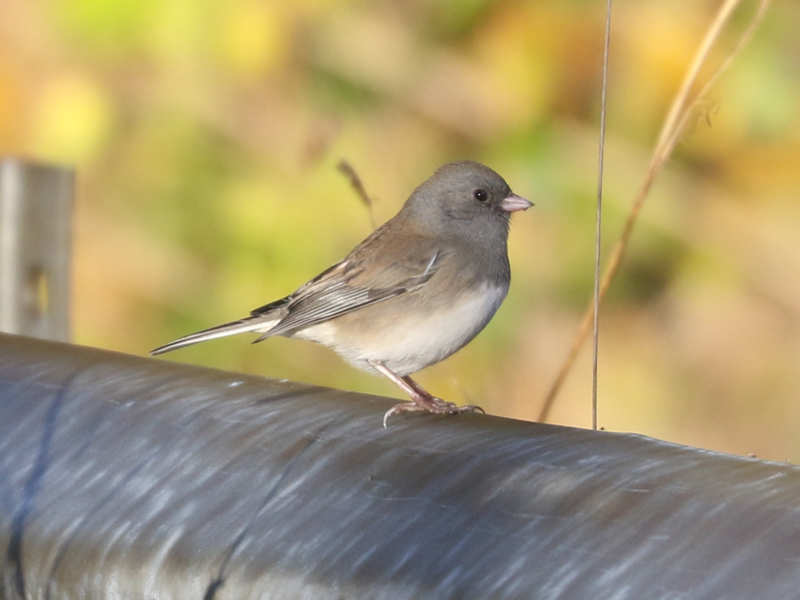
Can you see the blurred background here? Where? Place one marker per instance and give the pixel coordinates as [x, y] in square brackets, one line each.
[206, 137]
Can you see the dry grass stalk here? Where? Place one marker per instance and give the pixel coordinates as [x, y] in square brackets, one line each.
[677, 117]
[598, 232]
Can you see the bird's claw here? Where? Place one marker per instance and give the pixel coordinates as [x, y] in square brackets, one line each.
[401, 408]
[450, 408]
[437, 406]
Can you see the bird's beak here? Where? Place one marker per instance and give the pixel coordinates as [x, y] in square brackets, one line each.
[512, 203]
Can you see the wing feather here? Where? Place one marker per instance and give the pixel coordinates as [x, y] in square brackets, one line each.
[340, 290]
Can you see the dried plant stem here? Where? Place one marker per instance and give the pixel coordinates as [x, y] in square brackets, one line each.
[355, 181]
[673, 126]
[599, 215]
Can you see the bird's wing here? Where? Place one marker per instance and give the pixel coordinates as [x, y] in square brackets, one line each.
[350, 285]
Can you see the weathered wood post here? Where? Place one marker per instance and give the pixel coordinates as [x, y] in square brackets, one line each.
[35, 248]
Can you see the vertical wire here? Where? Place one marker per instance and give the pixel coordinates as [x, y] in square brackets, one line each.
[599, 216]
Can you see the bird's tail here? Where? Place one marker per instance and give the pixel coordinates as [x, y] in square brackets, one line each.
[254, 323]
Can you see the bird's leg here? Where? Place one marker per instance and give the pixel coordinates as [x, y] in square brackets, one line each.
[442, 405]
[418, 402]
[421, 399]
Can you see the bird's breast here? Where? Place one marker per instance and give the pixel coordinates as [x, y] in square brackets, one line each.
[407, 333]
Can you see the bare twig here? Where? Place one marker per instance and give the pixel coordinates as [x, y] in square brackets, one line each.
[355, 181]
[674, 125]
[599, 216]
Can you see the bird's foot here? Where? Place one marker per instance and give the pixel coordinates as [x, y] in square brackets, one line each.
[432, 405]
[449, 408]
[402, 407]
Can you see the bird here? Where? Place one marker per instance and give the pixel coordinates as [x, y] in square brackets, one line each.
[416, 290]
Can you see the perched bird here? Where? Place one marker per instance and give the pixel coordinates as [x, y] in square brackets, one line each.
[412, 293]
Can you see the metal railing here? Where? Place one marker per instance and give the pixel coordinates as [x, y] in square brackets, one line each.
[130, 477]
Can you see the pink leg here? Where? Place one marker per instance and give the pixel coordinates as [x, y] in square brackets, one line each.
[421, 399]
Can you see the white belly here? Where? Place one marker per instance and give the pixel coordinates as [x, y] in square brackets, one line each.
[407, 345]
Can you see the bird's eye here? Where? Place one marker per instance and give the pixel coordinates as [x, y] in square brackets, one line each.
[480, 195]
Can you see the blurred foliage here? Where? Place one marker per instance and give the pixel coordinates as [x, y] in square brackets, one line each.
[206, 136]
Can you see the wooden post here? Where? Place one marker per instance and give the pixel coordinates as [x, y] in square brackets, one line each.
[35, 248]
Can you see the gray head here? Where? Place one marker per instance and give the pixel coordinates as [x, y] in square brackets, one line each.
[464, 198]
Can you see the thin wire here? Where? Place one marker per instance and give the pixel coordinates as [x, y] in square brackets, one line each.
[599, 217]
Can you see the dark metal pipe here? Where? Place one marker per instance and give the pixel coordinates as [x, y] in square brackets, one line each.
[129, 477]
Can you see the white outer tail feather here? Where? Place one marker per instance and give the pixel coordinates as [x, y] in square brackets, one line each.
[249, 324]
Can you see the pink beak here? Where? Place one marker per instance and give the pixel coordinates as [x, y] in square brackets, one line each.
[512, 203]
